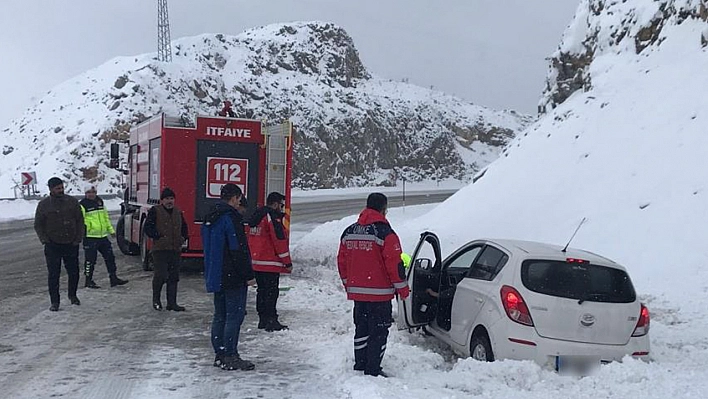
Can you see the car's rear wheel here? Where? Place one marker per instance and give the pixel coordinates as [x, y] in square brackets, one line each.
[481, 348]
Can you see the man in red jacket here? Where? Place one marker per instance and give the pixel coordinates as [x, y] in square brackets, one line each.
[270, 252]
[370, 266]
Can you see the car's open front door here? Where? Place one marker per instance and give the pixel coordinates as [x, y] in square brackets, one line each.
[420, 307]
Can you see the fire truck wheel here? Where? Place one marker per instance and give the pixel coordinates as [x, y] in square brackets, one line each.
[144, 252]
[126, 247]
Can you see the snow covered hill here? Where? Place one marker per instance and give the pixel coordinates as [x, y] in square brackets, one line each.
[353, 128]
[623, 144]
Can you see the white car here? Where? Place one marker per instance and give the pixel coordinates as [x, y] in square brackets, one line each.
[506, 299]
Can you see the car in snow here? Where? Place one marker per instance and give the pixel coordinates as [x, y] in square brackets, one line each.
[566, 309]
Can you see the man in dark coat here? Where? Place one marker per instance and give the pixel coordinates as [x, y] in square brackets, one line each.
[227, 273]
[166, 226]
[59, 224]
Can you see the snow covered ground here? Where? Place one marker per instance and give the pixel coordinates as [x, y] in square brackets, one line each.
[426, 369]
[24, 209]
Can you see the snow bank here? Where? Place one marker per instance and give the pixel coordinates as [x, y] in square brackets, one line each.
[628, 154]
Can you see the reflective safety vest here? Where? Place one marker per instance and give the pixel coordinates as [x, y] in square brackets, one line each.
[96, 219]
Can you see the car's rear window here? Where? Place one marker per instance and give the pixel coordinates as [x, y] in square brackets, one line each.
[587, 282]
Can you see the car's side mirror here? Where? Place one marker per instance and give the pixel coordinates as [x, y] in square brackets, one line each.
[423, 264]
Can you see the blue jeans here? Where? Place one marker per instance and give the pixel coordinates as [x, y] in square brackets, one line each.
[229, 311]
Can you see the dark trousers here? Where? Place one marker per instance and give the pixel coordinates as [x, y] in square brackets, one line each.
[267, 295]
[372, 320]
[166, 265]
[92, 246]
[229, 311]
[55, 253]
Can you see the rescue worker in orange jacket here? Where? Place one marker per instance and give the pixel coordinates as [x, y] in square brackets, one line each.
[371, 269]
[270, 254]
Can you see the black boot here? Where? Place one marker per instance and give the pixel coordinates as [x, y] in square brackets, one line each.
[172, 297]
[236, 363]
[74, 300]
[274, 325]
[116, 281]
[156, 293]
[90, 283]
[88, 272]
[54, 307]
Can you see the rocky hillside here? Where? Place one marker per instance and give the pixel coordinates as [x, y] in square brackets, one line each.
[606, 28]
[353, 128]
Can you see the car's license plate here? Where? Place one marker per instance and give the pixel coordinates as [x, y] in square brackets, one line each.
[577, 365]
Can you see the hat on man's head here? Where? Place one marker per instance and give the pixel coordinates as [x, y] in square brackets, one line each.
[166, 193]
[54, 181]
[89, 187]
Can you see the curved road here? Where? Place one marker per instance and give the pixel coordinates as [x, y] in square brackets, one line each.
[116, 346]
[22, 265]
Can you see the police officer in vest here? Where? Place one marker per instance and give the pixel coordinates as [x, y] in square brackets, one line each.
[372, 271]
[165, 224]
[98, 227]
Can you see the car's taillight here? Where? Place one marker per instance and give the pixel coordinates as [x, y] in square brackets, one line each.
[642, 327]
[515, 306]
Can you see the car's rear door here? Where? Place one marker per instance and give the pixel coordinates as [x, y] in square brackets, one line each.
[475, 290]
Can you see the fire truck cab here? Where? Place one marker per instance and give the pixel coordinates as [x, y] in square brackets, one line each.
[196, 160]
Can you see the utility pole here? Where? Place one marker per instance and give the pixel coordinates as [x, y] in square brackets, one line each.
[164, 45]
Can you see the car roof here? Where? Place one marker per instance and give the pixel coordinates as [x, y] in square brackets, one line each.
[530, 249]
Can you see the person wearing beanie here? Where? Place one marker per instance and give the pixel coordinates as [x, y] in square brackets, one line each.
[98, 228]
[227, 273]
[166, 226]
[371, 269]
[270, 252]
[59, 224]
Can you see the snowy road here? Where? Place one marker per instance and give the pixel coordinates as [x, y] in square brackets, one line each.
[115, 346]
[22, 270]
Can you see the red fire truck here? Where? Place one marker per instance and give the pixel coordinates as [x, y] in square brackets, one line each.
[196, 160]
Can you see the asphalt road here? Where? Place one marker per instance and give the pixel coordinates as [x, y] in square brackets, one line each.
[22, 264]
[116, 346]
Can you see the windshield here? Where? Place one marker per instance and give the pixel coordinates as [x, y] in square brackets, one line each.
[584, 282]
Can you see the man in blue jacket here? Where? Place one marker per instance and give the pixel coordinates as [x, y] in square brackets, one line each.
[227, 273]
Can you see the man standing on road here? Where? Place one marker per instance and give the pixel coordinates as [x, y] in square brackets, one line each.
[271, 256]
[98, 227]
[227, 273]
[59, 224]
[165, 224]
[370, 266]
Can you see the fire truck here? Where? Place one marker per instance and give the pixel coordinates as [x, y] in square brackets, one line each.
[196, 160]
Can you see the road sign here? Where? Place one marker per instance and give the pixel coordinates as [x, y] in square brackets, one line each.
[28, 178]
[225, 170]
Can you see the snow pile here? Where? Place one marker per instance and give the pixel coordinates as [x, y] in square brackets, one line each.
[624, 149]
[352, 128]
